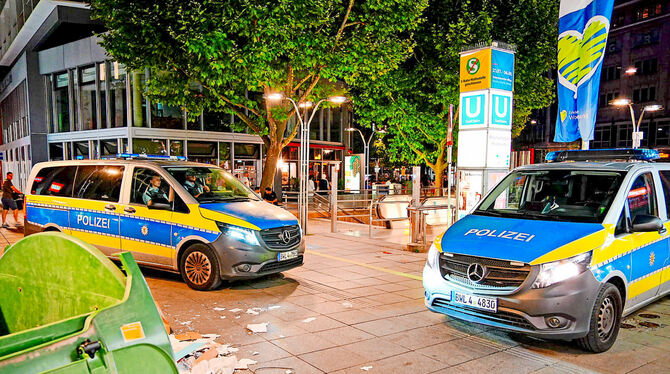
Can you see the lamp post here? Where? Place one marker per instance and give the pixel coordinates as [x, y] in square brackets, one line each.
[303, 198]
[637, 136]
[366, 147]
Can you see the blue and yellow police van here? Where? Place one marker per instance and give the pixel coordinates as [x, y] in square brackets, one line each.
[186, 217]
[561, 250]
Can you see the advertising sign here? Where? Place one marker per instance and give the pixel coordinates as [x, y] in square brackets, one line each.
[502, 70]
[352, 173]
[583, 27]
[476, 70]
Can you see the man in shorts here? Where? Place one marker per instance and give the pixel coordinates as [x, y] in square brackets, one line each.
[8, 202]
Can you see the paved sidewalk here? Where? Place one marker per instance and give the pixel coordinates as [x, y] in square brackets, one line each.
[358, 303]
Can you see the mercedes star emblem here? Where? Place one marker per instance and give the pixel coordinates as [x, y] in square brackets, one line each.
[285, 236]
[476, 272]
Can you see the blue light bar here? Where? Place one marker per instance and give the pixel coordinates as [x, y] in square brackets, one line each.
[150, 157]
[627, 154]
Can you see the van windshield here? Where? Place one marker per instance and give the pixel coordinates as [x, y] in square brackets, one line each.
[558, 195]
[210, 184]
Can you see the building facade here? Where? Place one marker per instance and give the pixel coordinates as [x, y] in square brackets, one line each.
[637, 67]
[63, 97]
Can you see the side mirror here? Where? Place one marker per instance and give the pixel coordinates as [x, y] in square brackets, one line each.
[646, 223]
[160, 206]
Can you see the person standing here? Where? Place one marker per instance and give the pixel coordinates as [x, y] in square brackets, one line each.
[8, 202]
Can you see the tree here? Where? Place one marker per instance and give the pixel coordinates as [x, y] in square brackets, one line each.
[413, 100]
[226, 55]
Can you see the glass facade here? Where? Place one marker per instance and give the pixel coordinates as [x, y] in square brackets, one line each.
[88, 98]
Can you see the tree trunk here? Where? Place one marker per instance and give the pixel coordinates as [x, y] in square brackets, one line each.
[270, 168]
[439, 171]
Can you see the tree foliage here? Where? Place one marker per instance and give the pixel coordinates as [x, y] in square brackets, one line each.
[225, 55]
[413, 100]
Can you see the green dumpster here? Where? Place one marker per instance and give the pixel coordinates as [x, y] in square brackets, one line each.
[66, 308]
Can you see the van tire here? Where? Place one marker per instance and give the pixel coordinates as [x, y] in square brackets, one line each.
[199, 267]
[605, 320]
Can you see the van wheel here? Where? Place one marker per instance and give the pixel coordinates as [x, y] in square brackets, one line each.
[199, 267]
[605, 320]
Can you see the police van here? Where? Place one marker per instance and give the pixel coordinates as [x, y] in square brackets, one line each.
[191, 218]
[561, 250]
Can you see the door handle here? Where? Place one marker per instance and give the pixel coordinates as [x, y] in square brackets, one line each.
[129, 209]
[110, 207]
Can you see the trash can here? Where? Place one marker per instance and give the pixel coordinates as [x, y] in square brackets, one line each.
[66, 308]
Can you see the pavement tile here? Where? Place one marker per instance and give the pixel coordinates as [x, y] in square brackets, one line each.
[280, 366]
[321, 323]
[266, 352]
[500, 362]
[375, 349]
[424, 336]
[457, 351]
[304, 343]
[306, 300]
[330, 307]
[352, 317]
[410, 362]
[344, 335]
[649, 368]
[333, 359]
[385, 326]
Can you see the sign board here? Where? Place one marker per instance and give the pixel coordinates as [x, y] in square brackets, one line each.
[475, 70]
[352, 173]
[487, 68]
[502, 70]
[473, 109]
[501, 110]
[485, 128]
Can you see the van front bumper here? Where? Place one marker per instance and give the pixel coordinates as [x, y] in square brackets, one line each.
[525, 310]
[238, 260]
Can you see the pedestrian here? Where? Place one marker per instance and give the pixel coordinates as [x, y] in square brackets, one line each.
[8, 202]
[324, 186]
[311, 187]
[270, 196]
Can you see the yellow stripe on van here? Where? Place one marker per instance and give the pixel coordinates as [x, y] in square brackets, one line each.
[643, 285]
[574, 248]
[148, 248]
[221, 217]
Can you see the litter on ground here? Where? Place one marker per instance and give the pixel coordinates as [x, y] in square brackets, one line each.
[308, 320]
[236, 310]
[258, 327]
[205, 356]
[366, 368]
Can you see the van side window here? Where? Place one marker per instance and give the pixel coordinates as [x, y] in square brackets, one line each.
[99, 182]
[148, 188]
[665, 183]
[642, 197]
[54, 181]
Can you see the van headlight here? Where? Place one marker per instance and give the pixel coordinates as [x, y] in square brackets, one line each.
[433, 256]
[242, 234]
[558, 271]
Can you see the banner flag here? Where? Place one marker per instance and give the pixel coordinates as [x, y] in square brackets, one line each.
[583, 26]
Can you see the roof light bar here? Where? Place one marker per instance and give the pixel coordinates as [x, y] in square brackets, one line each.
[627, 154]
[150, 157]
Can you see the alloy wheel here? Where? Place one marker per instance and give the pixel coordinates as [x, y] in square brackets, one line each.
[198, 268]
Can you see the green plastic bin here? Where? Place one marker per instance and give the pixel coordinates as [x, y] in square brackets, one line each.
[66, 308]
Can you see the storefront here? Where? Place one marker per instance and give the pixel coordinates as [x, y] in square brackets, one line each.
[324, 159]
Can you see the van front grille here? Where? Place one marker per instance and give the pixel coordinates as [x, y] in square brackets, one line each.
[281, 237]
[498, 273]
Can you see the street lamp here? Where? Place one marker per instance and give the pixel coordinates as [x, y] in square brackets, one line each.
[303, 198]
[366, 146]
[637, 136]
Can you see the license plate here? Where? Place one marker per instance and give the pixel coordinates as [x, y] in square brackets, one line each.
[289, 255]
[485, 303]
